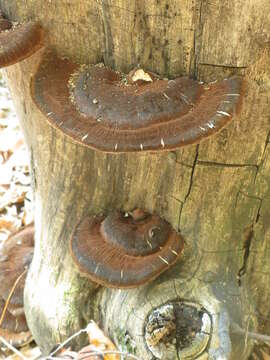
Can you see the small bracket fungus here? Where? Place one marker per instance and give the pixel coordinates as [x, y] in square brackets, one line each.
[112, 112]
[15, 257]
[124, 251]
[18, 42]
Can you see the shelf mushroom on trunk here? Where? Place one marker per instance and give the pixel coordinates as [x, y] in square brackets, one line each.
[101, 109]
[18, 42]
[124, 250]
[15, 257]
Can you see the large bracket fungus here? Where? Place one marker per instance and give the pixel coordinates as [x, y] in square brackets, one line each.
[111, 112]
[18, 42]
[15, 257]
[124, 251]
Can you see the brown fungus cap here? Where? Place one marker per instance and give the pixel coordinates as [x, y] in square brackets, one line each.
[124, 251]
[15, 257]
[16, 339]
[18, 42]
[104, 110]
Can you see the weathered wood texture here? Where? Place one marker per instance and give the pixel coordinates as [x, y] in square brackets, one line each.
[212, 192]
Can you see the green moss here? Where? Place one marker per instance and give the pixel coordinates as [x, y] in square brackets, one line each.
[124, 341]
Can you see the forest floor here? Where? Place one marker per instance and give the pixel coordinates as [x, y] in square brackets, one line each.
[16, 209]
[16, 201]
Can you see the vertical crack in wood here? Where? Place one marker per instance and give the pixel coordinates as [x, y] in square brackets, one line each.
[248, 236]
[267, 140]
[190, 183]
[192, 173]
[109, 45]
[198, 26]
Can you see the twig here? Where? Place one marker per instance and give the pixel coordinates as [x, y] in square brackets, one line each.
[100, 352]
[110, 352]
[50, 356]
[66, 342]
[12, 348]
[10, 296]
[252, 335]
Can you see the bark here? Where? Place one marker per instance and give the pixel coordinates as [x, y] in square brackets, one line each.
[212, 192]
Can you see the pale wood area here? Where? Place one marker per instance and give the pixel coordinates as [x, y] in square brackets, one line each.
[212, 191]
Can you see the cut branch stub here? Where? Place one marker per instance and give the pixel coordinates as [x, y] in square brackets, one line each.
[15, 257]
[104, 110]
[124, 251]
[181, 328]
[18, 42]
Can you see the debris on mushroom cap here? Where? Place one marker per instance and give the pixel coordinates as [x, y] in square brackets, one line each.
[15, 257]
[94, 107]
[18, 42]
[140, 74]
[124, 251]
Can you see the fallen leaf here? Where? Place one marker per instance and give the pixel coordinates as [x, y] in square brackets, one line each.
[265, 355]
[7, 224]
[11, 198]
[100, 341]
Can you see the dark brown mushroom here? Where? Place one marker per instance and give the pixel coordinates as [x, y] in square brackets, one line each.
[121, 250]
[16, 339]
[104, 110]
[15, 258]
[19, 41]
[14, 329]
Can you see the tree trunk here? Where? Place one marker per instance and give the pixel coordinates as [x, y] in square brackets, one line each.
[212, 192]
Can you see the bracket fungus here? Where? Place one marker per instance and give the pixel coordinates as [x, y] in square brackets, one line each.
[15, 257]
[124, 251]
[112, 112]
[18, 42]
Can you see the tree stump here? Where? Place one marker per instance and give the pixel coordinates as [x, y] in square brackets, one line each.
[215, 193]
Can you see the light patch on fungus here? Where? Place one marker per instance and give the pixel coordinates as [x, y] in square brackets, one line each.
[73, 80]
[223, 113]
[140, 74]
[174, 252]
